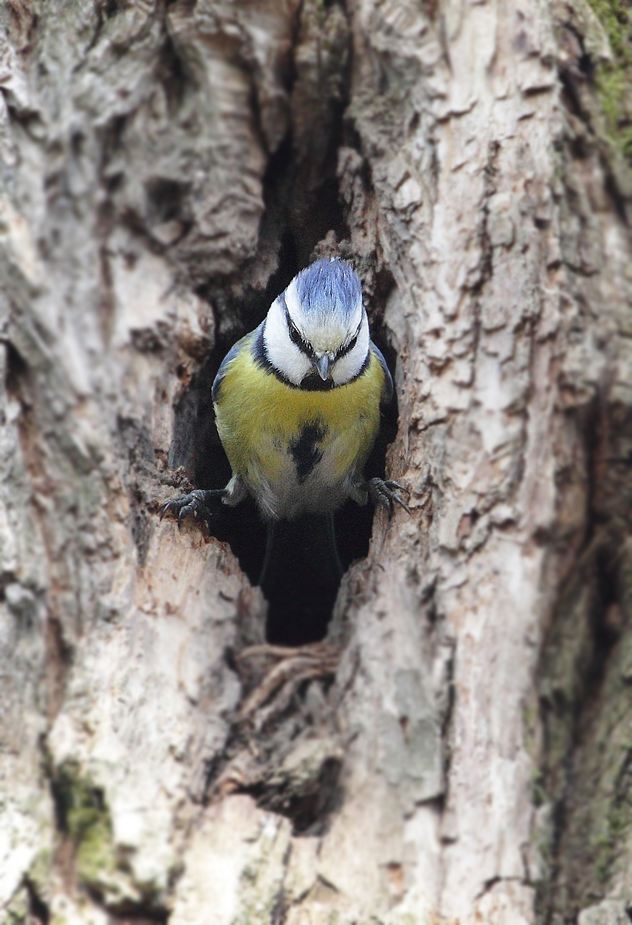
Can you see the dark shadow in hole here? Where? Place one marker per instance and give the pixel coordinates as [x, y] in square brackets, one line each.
[606, 632]
[164, 199]
[301, 582]
[135, 917]
[39, 913]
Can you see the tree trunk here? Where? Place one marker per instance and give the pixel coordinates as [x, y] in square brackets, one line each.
[166, 169]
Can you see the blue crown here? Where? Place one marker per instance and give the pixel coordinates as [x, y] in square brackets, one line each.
[328, 286]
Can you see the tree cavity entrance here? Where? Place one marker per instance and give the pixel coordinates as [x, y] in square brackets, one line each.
[302, 573]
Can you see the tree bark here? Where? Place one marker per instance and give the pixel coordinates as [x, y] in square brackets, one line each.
[166, 169]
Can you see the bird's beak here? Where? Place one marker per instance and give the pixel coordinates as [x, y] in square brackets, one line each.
[322, 365]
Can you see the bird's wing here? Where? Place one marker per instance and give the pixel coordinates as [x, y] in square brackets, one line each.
[387, 388]
[230, 356]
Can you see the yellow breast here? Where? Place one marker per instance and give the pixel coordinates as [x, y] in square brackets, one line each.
[296, 450]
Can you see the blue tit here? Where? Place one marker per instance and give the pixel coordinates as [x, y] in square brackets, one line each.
[297, 404]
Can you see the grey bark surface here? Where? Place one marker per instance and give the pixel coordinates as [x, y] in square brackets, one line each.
[162, 166]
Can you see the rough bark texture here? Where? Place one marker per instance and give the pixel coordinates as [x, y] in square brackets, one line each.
[166, 169]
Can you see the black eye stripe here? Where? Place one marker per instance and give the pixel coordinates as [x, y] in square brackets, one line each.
[347, 348]
[295, 337]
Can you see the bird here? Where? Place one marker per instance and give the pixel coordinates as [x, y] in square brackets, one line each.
[297, 405]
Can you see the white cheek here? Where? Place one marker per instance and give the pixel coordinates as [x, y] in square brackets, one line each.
[282, 353]
[347, 367]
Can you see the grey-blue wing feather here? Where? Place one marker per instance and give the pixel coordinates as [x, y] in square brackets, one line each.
[387, 388]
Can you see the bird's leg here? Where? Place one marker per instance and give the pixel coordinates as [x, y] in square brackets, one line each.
[385, 492]
[198, 503]
[202, 503]
[381, 492]
[235, 491]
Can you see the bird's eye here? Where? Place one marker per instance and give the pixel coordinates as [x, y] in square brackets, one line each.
[297, 338]
[347, 348]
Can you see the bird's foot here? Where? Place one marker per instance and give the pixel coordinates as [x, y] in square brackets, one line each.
[291, 666]
[385, 493]
[198, 503]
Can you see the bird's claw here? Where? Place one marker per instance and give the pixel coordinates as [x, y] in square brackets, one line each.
[384, 492]
[195, 503]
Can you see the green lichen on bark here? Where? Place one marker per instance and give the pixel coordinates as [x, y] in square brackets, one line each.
[40, 869]
[87, 822]
[17, 912]
[262, 880]
[613, 78]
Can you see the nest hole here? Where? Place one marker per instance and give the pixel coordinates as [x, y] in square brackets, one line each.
[302, 575]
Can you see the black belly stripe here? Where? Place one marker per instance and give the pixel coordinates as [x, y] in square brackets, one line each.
[305, 450]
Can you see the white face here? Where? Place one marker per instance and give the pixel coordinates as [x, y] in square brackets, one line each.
[296, 340]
